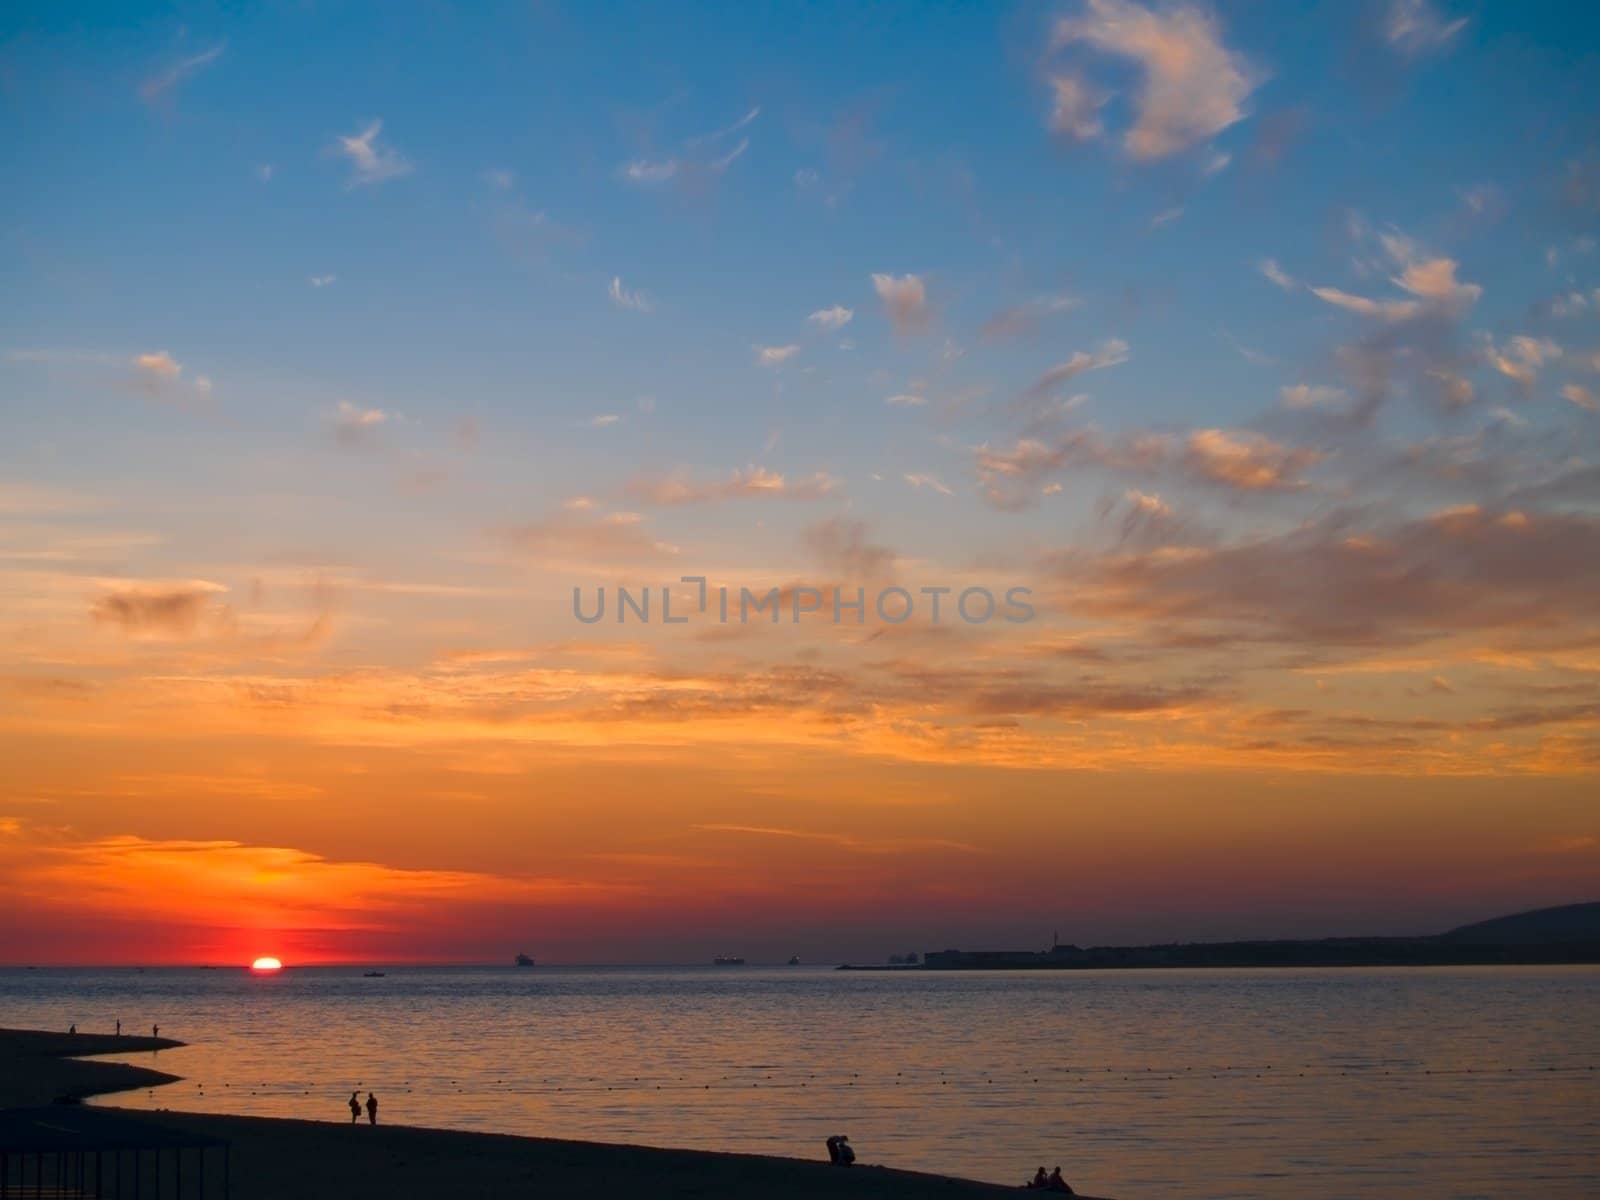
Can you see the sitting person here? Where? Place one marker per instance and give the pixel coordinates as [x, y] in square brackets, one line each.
[1058, 1184]
[839, 1152]
[1039, 1182]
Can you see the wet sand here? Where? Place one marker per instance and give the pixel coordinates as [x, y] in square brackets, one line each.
[272, 1158]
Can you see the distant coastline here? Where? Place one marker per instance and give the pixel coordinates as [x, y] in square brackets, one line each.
[1565, 935]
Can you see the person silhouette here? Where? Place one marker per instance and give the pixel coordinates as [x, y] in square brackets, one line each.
[1058, 1184]
[119, 1028]
[73, 1029]
[372, 1109]
[155, 1031]
[355, 1107]
[1040, 1180]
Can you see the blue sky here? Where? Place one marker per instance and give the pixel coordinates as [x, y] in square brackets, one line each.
[926, 127]
[178, 184]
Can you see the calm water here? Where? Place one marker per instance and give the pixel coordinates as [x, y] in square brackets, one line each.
[1439, 1082]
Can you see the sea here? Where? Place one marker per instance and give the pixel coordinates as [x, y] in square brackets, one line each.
[1413, 1082]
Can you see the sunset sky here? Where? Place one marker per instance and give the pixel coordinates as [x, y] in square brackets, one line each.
[339, 343]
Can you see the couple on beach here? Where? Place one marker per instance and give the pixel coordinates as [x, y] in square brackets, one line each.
[355, 1107]
[1049, 1183]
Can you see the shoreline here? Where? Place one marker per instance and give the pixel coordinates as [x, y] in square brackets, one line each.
[39, 1066]
[277, 1156]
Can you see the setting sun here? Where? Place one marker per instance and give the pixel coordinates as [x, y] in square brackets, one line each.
[266, 964]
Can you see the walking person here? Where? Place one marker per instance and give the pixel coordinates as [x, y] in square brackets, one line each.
[372, 1109]
[355, 1107]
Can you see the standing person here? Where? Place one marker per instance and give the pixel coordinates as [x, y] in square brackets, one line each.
[355, 1107]
[155, 1031]
[119, 1028]
[372, 1109]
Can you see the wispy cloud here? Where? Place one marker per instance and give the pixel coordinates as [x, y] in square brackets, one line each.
[722, 162]
[1385, 310]
[836, 317]
[905, 299]
[1414, 27]
[158, 363]
[774, 356]
[1306, 396]
[1249, 462]
[1193, 86]
[370, 161]
[700, 156]
[1430, 281]
[1014, 477]
[645, 171]
[718, 134]
[1022, 319]
[1110, 354]
[1274, 272]
[355, 427]
[636, 301]
[156, 611]
[160, 85]
[919, 480]
[1584, 398]
[1521, 357]
[158, 374]
[322, 281]
[752, 483]
[573, 536]
[1076, 110]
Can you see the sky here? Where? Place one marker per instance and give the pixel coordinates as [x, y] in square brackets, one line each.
[1246, 357]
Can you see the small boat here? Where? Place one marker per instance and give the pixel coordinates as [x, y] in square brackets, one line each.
[794, 960]
[373, 975]
[524, 961]
[727, 960]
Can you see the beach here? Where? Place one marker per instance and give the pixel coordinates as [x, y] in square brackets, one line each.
[275, 1157]
[35, 1069]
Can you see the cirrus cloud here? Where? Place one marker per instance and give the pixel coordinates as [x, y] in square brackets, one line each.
[753, 483]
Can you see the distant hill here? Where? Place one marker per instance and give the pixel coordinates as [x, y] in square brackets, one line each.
[1567, 934]
[1541, 927]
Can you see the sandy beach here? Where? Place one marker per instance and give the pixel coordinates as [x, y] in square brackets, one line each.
[273, 1158]
[35, 1069]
